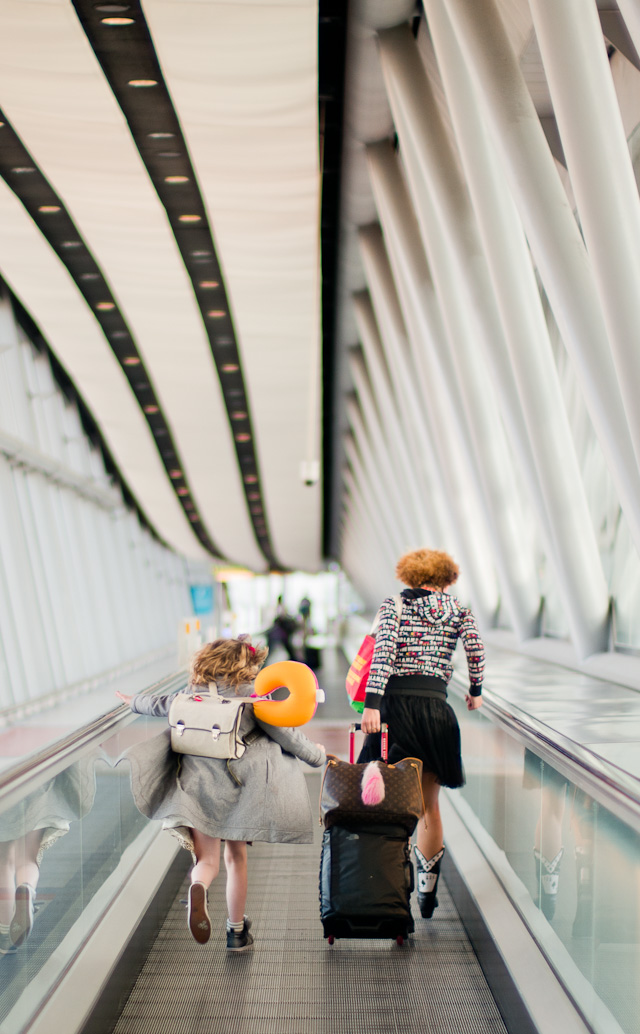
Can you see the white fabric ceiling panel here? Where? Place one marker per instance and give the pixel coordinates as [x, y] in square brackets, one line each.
[243, 78]
[45, 288]
[55, 94]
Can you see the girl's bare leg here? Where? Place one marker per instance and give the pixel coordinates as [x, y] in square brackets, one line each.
[235, 860]
[430, 840]
[27, 848]
[7, 881]
[207, 852]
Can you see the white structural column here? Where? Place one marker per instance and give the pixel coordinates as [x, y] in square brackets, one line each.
[413, 419]
[390, 411]
[630, 10]
[376, 478]
[489, 463]
[552, 232]
[382, 558]
[447, 433]
[556, 490]
[371, 503]
[450, 492]
[385, 462]
[594, 143]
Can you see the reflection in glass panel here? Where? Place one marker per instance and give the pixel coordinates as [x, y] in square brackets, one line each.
[58, 846]
[579, 863]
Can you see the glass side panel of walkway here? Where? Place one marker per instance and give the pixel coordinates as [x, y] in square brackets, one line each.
[98, 869]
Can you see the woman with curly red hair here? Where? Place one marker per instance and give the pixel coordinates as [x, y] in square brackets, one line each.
[407, 688]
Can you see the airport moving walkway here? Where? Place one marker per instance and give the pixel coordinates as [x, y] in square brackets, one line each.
[507, 950]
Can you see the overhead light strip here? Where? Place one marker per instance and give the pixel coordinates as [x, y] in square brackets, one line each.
[48, 212]
[128, 59]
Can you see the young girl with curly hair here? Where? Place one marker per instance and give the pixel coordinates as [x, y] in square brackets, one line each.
[407, 687]
[203, 801]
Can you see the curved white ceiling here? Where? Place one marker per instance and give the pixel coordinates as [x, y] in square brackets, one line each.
[41, 281]
[243, 78]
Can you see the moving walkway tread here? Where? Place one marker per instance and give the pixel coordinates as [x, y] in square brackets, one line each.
[293, 982]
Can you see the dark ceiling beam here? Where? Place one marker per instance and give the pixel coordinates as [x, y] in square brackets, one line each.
[126, 53]
[48, 211]
[332, 44]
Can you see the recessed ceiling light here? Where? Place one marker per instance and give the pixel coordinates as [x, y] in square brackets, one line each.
[48, 209]
[216, 314]
[208, 285]
[183, 491]
[119, 333]
[131, 360]
[253, 496]
[20, 170]
[161, 136]
[193, 517]
[175, 473]
[201, 254]
[230, 368]
[1, 124]
[70, 244]
[176, 179]
[256, 510]
[190, 218]
[239, 414]
[244, 437]
[90, 276]
[151, 409]
[250, 479]
[112, 8]
[143, 83]
[117, 21]
[169, 154]
[105, 306]
[188, 505]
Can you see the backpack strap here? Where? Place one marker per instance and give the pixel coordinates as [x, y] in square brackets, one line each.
[376, 621]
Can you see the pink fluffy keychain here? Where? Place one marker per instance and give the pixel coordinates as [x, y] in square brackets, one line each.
[372, 784]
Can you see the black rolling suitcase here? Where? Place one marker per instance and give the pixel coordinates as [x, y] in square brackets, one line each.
[366, 875]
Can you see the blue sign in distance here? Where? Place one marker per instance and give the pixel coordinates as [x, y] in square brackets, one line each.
[202, 598]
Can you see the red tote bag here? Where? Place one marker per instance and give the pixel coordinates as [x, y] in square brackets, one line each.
[358, 674]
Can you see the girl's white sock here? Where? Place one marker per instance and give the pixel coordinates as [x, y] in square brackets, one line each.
[236, 927]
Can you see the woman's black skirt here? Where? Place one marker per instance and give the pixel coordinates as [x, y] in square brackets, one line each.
[420, 727]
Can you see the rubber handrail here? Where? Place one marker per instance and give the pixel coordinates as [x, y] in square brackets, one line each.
[52, 759]
[611, 786]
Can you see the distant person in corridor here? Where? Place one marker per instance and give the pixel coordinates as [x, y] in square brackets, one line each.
[407, 688]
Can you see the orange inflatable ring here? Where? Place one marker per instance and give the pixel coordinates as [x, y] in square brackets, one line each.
[299, 707]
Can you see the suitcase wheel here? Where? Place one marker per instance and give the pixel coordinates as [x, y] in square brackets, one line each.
[330, 939]
[399, 940]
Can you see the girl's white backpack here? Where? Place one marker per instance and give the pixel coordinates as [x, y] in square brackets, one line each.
[207, 724]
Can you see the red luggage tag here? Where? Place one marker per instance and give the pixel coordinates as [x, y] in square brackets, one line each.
[384, 738]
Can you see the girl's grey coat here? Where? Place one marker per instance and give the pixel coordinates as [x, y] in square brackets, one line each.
[261, 796]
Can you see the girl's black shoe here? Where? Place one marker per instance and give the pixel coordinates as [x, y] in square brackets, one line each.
[242, 940]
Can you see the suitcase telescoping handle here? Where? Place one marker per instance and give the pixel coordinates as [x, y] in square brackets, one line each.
[384, 736]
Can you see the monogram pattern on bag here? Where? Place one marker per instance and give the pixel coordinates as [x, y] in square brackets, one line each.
[341, 802]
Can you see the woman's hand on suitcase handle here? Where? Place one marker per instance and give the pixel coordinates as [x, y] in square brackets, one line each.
[370, 721]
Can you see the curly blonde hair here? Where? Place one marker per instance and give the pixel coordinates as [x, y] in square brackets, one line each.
[231, 661]
[427, 567]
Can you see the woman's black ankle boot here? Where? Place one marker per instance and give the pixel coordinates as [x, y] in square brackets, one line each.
[428, 873]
